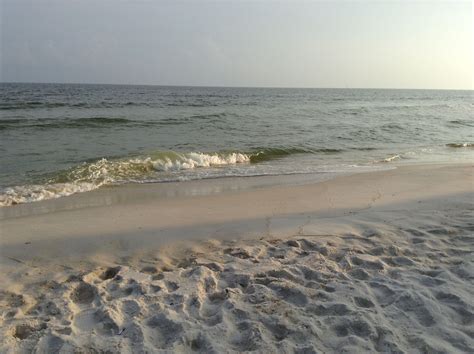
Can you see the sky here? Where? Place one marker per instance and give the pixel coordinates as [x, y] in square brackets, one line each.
[355, 44]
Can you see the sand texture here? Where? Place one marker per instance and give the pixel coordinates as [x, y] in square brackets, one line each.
[393, 272]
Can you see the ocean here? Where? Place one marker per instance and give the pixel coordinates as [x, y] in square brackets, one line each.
[61, 139]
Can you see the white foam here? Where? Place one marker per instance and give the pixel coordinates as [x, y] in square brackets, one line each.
[34, 193]
[391, 158]
[87, 177]
[194, 160]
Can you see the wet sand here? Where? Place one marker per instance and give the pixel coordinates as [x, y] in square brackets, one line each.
[378, 262]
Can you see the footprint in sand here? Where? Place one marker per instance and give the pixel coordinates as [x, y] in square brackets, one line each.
[134, 334]
[211, 314]
[9, 300]
[329, 309]
[305, 350]
[47, 308]
[279, 330]
[310, 246]
[235, 280]
[23, 331]
[109, 273]
[247, 336]
[356, 327]
[50, 344]
[97, 320]
[368, 262]
[131, 308]
[289, 293]
[159, 276]
[257, 294]
[313, 275]
[414, 304]
[363, 302]
[175, 301]
[84, 293]
[171, 286]
[165, 331]
[149, 270]
[198, 342]
[453, 301]
[359, 274]
[385, 296]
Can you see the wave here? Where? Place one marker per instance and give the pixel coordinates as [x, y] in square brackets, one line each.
[97, 122]
[390, 158]
[368, 148]
[91, 122]
[34, 193]
[30, 105]
[51, 123]
[464, 122]
[106, 171]
[267, 154]
[423, 151]
[391, 126]
[157, 166]
[460, 145]
[213, 117]
[93, 175]
[352, 111]
[191, 104]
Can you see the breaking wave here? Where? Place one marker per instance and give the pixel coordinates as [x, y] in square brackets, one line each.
[391, 158]
[460, 145]
[90, 176]
[164, 166]
[34, 193]
[154, 167]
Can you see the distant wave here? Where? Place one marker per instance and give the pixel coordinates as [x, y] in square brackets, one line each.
[190, 104]
[463, 122]
[30, 105]
[353, 111]
[212, 117]
[51, 123]
[460, 145]
[34, 105]
[364, 148]
[391, 126]
[97, 122]
[94, 121]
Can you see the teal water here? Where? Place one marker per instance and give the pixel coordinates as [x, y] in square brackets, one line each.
[60, 139]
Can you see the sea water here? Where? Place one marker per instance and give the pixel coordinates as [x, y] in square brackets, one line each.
[61, 139]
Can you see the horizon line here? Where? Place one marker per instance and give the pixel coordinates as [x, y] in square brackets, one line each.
[223, 86]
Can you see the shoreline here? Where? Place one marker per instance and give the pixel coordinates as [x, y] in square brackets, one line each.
[379, 261]
[118, 193]
[158, 212]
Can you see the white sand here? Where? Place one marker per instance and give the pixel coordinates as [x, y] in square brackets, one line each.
[377, 262]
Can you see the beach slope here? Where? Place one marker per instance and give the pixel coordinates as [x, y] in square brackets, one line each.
[373, 262]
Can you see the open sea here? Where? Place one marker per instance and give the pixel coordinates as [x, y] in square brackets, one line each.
[61, 139]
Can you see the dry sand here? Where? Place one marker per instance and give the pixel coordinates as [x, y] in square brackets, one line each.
[376, 262]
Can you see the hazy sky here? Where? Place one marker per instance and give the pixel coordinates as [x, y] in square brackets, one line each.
[399, 44]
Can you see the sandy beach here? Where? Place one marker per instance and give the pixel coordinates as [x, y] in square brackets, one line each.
[371, 262]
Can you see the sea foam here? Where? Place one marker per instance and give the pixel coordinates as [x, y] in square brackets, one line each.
[89, 176]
